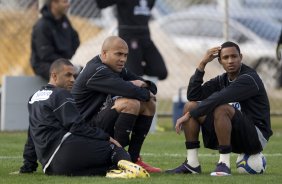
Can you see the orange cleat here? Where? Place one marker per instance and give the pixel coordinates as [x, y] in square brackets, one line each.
[147, 167]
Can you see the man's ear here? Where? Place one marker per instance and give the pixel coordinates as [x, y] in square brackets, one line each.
[54, 76]
[219, 60]
[103, 54]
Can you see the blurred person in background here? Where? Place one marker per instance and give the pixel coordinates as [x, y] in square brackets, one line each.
[58, 134]
[279, 57]
[144, 58]
[133, 18]
[52, 37]
[231, 110]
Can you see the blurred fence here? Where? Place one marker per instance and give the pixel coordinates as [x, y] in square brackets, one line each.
[182, 30]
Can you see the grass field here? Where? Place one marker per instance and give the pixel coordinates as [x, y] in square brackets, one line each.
[162, 149]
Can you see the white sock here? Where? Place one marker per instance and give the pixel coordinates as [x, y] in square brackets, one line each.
[192, 157]
[225, 158]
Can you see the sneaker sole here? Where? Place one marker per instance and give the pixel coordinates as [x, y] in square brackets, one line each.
[220, 174]
[134, 168]
[120, 174]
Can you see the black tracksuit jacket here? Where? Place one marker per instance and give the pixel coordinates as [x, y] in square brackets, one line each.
[133, 18]
[52, 113]
[97, 81]
[52, 39]
[247, 89]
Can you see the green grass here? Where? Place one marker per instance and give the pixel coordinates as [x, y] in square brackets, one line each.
[163, 149]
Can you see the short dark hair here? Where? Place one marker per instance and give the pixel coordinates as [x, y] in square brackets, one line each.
[48, 2]
[229, 44]
[58, 63]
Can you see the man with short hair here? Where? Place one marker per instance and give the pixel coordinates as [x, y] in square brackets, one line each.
[116, 100]
[60, 135]
[232, 111]
[53, 37]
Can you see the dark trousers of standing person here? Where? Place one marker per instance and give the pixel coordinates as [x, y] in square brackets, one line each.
[144, 58]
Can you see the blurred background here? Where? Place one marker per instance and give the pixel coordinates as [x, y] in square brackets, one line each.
[182, 30]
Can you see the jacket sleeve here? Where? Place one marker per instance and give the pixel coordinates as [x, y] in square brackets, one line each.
[67, 113]
[106, 81]
[29, 155]
[105, 3]
[243, 88]
[128, 76]
[75, 39]
[42, 41]
[196, 91]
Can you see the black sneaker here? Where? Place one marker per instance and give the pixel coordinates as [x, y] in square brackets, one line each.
[29, 167]
[221, 170]
[185, 169]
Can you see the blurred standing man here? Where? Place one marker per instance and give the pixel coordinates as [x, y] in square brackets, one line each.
[53, 37]
[133, 26]
[232, 111]
[116, 100]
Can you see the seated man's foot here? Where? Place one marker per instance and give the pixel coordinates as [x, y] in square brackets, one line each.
[148, 167]
[185, 169]
[221, 170]
[26, 168]
[135, 169]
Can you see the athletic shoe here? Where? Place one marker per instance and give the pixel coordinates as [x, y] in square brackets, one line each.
[115, 173]
[133, 168]
[147, 167]
[221, 170]
[185, 169]
[28, 168]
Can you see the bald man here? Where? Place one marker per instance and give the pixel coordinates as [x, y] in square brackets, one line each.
[116, 100]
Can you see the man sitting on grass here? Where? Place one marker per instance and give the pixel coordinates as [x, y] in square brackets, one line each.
[232, 111]
[64, 143]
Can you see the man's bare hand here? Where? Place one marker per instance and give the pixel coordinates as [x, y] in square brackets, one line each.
[180, 121]
[139, 83]
[209, 56]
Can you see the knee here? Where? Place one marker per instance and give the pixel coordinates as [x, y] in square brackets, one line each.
[148, 108]
[151, 106]
[127, 105]
[224, 110]
[189, 106]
